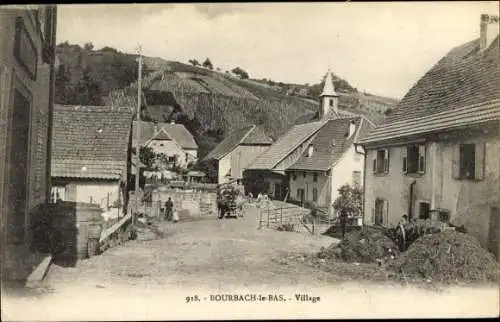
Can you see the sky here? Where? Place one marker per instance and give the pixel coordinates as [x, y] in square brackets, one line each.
[382, 47]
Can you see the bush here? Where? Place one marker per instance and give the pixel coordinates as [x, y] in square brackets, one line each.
[286, 227]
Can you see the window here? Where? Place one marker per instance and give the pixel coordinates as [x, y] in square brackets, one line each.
[356, 178]
[57, 193]
[161, 144]
[414, 159]
[424, 210]
[304, 174]
[315, 177]
[331, 102]
[381, 161]
[315, 194]
[468, 161]
[294, 176]
[171, 159]
[381, 211]
[310, 151]
[187, 156]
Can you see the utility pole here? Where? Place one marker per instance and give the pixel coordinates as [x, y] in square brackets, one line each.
[137, 135]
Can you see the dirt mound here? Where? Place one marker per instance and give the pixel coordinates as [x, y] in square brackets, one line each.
[448, 256]
[364, 246]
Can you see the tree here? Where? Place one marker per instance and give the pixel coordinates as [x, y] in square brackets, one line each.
[194, 62]
[208, 64]
[350, 199]
[64, 92]
[87, 91]
[240, 72]
[88, 46]
[147, 156]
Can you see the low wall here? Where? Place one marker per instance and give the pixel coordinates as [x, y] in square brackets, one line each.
[197, 202]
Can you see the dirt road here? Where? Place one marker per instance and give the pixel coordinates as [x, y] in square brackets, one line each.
[197, 261]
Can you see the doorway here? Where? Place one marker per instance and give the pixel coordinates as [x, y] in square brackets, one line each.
[18, 169]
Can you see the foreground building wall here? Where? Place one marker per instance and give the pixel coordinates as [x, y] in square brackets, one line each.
[27, 49]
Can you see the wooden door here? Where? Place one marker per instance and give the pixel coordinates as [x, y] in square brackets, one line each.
[494, 233]
[18, 169]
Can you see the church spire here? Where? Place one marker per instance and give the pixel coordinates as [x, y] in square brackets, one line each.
[329, 98]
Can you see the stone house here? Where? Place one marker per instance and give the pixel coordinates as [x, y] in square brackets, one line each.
[437, 156]
[91, 154]
[172, 140]
[27, 59]
[238, 150]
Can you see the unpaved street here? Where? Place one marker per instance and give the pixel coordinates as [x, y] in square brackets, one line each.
[152, 278]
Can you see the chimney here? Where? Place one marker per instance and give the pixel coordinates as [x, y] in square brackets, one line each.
[488, 31]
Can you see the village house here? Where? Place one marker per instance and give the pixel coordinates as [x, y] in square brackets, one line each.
[237, 151]
[312, 160]
[27, 58]
[330, 161]
[91, 154]
[170, 139]
[437, 156]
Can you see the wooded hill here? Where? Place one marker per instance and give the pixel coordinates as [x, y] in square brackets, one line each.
[209, 102]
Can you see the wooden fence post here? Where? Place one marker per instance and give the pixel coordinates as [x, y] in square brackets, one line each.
[268, 213]
[281, 215]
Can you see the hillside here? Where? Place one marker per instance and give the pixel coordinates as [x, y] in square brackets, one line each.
[210, 103]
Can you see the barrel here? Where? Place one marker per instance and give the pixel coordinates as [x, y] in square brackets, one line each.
[72, 222]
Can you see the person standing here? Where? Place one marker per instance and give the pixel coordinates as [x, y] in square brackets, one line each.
[169, 205]
[343, 221]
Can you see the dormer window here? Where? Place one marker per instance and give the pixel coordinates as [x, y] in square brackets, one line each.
[352, 129]
[310, 151]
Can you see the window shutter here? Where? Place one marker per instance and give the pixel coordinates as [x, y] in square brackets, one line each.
[455, 162]
[386, 161]
[385, 220]
[421, 158]
[405, 160]
[375, 162]
[479, 162]
[373, 216]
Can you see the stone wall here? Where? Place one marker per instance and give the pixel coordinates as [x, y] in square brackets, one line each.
[197, 202]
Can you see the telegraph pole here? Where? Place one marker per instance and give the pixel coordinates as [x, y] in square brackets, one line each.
[137, 135]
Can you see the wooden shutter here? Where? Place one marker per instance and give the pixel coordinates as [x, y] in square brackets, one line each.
[455, 162]
[375, 162]
[373, 216]
[386, 161]
[479, 162]
[405, 160]
[385, 219]
[421, 158]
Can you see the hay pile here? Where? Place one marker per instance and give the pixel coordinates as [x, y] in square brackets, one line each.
[367, 246]
[448, 256]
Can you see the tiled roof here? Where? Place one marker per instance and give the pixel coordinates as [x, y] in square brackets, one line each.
[330, 143]
[285, 145]
[177, 132]
[465, 76]
[457, 118]
[90, 141]
[247, 135]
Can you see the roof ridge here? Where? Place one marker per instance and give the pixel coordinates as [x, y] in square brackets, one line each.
[248, 133]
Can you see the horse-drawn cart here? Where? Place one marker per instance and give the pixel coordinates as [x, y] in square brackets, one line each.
[229, 203]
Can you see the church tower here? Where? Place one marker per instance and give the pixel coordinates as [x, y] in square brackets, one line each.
[329, 98]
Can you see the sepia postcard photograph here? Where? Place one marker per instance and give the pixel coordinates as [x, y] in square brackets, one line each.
[248, 161]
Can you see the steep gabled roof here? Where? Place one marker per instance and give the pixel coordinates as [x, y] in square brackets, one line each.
[90, 141]
[465, 76]
[249, 135]
[285, 145]
[330, 143]
[176, 132]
